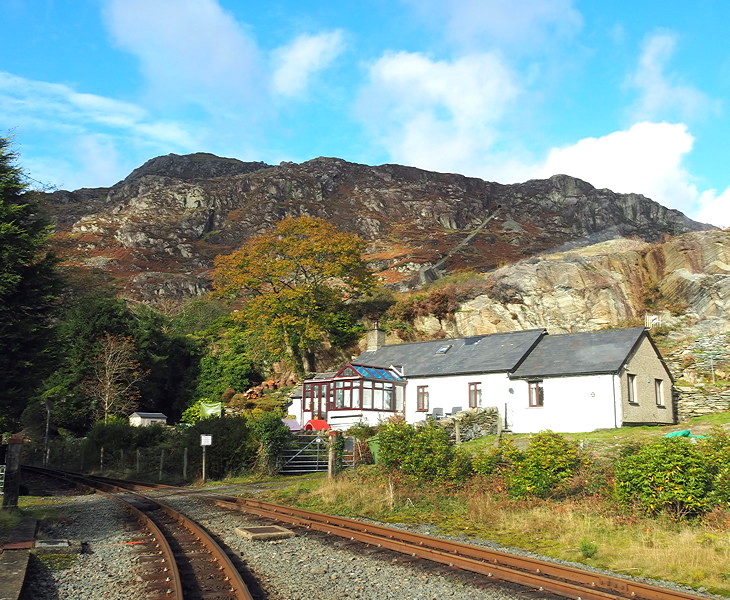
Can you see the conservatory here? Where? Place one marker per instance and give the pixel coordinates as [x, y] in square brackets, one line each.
[356, 393]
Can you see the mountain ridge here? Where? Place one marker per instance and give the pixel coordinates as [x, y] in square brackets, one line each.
[157, 231]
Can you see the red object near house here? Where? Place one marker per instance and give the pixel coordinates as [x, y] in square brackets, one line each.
[316, 425]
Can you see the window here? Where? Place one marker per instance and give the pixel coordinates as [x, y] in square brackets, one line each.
[659, 391]
[535, 392]
[422, 398]
[633, 397]
[475, 395]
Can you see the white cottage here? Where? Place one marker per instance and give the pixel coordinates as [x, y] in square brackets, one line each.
[591, 380]
[567, 383]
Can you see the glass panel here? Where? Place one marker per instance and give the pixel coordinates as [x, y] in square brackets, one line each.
[378, 399]
[388, 398]
[367, 397]
[339, 398]
[356, 397]
[399, 397]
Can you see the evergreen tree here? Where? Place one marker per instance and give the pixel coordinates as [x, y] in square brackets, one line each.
[28, 288]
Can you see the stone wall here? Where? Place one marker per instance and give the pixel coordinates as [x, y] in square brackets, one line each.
[694, 402]
[472, 423]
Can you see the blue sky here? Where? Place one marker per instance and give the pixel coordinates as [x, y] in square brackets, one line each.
[632, 96]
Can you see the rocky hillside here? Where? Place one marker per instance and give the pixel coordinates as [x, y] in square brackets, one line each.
[157, 231]
[607, 284]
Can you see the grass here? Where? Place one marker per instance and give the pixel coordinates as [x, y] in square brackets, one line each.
[589, 530]
[604, 439]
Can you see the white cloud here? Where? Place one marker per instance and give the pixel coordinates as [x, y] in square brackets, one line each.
[521, 24]
[55, 106]
[439, 115]
[714, 208]
[81, 132]
[644, 159]
[296, 63]
[188, 49]
[661, 93]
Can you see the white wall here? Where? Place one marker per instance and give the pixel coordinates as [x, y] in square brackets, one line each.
[571, 404]
[344, 419]
[453, 391]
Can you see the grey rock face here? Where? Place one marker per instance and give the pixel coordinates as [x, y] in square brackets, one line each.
[175, 213]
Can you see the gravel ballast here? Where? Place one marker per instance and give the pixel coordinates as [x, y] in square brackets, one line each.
[309, 566]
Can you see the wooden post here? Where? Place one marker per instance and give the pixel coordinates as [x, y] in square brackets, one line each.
[457, 431]
[138, 457]
[11, 489]
[185, 464]
[101, 459]
[162, 459]
[121, 459]
[332, 466]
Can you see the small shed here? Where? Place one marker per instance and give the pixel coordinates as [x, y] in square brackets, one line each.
[143, 419]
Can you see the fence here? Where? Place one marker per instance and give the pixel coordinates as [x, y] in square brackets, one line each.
[177, 464]
[173, 465]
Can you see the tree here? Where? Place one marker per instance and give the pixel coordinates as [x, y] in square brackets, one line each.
[116, 375]
[29, 286]
[293, 281]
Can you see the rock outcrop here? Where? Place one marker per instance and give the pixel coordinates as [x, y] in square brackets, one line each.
[603, 285]
[157, 231]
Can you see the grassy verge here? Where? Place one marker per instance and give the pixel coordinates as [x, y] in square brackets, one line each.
[587, 529]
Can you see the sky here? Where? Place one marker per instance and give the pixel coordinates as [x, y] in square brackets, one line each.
[631, 96]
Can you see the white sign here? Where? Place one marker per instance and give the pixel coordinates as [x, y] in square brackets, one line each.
[206, 440]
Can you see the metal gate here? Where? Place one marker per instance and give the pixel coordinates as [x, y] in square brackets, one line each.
[309, 453]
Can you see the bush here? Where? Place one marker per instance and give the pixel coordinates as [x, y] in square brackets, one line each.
[395, 441]
[116, 434]
[424, 453]
[671, 475]
[493, 460]
[272, 436]
[232, 451]
[544, 468]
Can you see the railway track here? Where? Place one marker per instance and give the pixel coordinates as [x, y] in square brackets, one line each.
[543, 576]
[184, 562]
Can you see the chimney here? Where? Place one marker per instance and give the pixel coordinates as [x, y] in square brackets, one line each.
[376, 338]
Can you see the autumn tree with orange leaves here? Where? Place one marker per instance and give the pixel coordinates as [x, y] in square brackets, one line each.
[292, 282]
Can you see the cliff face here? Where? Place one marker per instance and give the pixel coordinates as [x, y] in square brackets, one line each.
[157, 231]
[606, 284]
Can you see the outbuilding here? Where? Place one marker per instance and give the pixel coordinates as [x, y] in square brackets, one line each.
[143, 419]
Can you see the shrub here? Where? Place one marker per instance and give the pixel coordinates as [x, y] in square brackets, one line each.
[424, 453]
[671, 475]
[272, 436]
[395, 441]
[232, 451]
[544, 468]
[493, 460]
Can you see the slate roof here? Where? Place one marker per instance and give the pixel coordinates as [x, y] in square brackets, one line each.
[584, 353]
[149, 415]
[493, 353]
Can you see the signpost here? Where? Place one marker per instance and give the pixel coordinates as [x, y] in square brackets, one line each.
[205, 441]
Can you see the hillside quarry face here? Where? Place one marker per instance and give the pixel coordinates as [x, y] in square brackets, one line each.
[157, 231]
[612, 283]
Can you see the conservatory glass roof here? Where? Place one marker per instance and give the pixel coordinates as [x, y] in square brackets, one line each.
[369, 372]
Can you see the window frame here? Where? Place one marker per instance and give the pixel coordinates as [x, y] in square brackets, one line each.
[535, 394]
[632, 384]
[659, 392]
[422, 398]
[475, 394]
